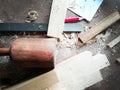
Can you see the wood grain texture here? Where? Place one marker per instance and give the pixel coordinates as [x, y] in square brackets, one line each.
[102, 25]
[57, 17]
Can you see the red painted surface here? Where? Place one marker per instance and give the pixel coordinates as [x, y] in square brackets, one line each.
[72, 19]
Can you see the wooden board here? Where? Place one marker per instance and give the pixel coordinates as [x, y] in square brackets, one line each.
[102, 25]
[80, 71]
[38, 83]
[57, 17]
[89, 81]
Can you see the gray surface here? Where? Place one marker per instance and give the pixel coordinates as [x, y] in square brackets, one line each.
[17, 10]
[73, 27]
[41, 27]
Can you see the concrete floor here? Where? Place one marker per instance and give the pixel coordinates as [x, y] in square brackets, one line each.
[17, 74]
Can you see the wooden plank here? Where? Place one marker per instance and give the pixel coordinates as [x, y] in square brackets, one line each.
[77, 72]
[57, 86]
[57, 17]
[106, 22]
[114, 42]
[38, 83]
[90, 80]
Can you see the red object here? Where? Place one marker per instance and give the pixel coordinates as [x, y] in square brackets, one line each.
[72, 19]
[32, 52]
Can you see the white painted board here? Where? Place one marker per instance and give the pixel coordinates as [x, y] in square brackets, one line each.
[77, 72]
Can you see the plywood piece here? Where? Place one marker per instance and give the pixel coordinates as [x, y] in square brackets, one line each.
[76, 72]
[57, 17]
[38, 83]
[102, 25]
[57, 86]
[114, 42]
[93, 79]
[99, 61]
[89, 81]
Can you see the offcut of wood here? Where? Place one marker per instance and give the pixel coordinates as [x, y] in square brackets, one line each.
[102, 25]
[57, 17]
[114, 42]
[80, 71]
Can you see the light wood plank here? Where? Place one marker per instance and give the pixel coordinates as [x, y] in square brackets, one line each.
[77, 72]
[106, 22]
[57, 17]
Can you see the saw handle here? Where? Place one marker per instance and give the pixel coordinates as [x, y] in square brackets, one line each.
[4, 51]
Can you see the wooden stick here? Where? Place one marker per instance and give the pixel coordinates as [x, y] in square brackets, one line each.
[114, 42]
[106, 22]
[57, 17]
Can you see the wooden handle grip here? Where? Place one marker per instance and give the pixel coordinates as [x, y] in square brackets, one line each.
[4, 51]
